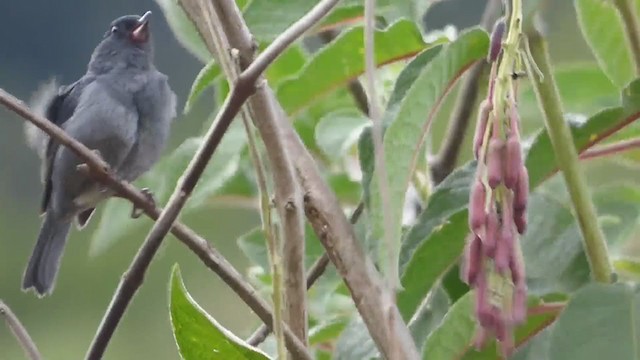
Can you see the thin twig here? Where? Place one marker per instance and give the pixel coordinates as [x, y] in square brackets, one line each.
[611, 149]
[201, 247]
[445, 161]
[630, 21]
[321, 205]
[315, 272]
[355, 87]
[19, 332]
[594, 242]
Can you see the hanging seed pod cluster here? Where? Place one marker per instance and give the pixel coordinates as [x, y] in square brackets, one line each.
[493, 264]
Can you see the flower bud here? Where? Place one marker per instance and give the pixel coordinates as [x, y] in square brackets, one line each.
[490, 233]
[484, 310]
[503, 250]
[494, 162]
[520, 219]
[477, 215]
[481, 125]
[521, 191]
[516, 266]
[471, 267]
[514, 163]
[496, 40]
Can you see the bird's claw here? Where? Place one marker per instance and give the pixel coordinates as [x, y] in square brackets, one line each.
[136, 212]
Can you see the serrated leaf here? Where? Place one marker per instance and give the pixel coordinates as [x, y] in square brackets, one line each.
[198, 335]
[602, 27]
[322, 74]
[115, 221]
[204, 80]
[184, 30]
[338, 131]
[410, 123]
[600, 322]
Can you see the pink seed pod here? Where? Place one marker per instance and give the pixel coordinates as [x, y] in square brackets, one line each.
[481, 125]
[494, 162]
[496, 40]
[519, 307]
[471, 267]
[514, 163]
[516, 266]
[477, 215]
[490, 233]
[521, 191]
[520, 219]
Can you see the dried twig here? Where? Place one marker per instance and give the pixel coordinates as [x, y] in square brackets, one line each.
[20, 332]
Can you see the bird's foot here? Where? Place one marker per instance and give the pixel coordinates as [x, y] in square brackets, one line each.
[136, 212]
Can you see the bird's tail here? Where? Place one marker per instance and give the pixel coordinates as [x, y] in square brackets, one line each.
[45, 258]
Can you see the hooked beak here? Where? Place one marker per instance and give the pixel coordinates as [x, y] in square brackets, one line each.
[141, 32]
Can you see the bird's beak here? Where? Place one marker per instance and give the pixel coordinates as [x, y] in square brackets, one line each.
[141, 32]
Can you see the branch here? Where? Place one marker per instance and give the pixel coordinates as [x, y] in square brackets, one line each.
[630, 22]
[99, 169]
[321, 205]
[19, 332]
[445, 161]
[611, 149]
[315, 272]
[594, 242]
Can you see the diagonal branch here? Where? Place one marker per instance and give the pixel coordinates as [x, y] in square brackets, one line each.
[201, 247]
[19, 331]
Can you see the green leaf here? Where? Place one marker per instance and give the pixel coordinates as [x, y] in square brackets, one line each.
[184, 30]
[322, 74]
[540, 159]
[327, 331]
[198, 335]
[584, 89]
[602, 27]
[600, 322]
[410, 123]
[285, 65]
[355, 342]
[429, 316]
[115, 221]
[347, 190]
[337, 132]
[204, 79]
[627, 267]
[453, 338]
[537, 348]
[254, 246]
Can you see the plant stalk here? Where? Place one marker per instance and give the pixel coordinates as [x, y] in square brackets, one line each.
[594, 242]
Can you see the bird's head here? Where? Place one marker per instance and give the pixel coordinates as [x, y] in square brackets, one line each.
[127, 42]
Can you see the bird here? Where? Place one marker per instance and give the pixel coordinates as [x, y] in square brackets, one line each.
[122, 108]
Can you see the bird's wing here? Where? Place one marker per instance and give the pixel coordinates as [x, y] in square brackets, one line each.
[59, 109]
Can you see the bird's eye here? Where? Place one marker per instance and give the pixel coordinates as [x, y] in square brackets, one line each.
[114, 29]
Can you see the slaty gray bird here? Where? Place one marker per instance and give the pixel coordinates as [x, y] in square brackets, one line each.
[122, 108]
